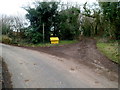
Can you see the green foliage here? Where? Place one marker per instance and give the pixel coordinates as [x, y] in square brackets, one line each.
[5, 29]
[69, 26]
[36, 37]
[89, 22]
[103, 21]
[33, 36]
[111, 13]
[87, 27]
[45, 12]
[64, 23]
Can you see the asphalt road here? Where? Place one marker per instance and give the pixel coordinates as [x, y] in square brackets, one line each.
[32, 69]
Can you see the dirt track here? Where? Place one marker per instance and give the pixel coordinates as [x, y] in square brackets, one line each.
[84, 52]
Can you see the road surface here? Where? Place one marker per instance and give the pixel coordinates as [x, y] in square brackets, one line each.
[32, 69]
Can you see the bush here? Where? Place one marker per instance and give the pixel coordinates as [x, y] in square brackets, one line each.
[33, 36]
[6, 39]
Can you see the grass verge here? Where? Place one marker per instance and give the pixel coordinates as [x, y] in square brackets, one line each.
[62, 42]
[109, 49]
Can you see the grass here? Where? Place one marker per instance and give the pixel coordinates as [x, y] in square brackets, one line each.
[62, 42]
[110, 50]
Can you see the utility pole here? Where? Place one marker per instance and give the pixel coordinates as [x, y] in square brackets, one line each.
[43, 33]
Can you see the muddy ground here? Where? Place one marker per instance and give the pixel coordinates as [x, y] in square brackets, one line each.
[6, 76]
[1, 73]
[84, 52]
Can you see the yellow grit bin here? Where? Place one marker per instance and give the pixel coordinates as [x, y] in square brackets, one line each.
[54, 40]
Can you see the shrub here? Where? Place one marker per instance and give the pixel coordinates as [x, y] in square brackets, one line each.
[33, 36]
[6, 39]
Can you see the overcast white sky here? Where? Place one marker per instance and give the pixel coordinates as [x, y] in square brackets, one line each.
[13, 7]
